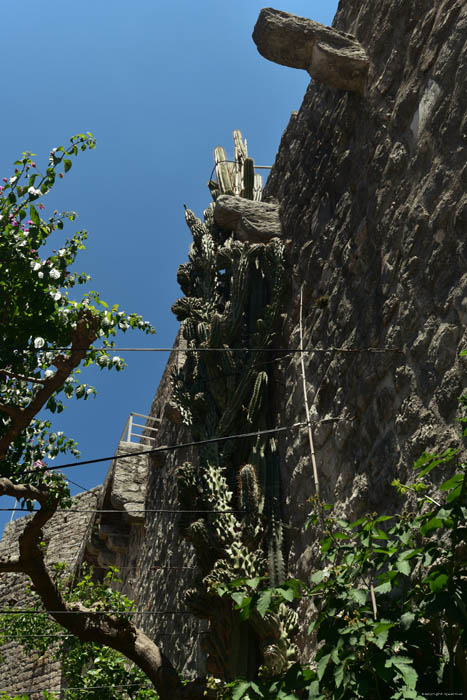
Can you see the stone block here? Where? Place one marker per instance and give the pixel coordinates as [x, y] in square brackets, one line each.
[330, 56]
[256, 222]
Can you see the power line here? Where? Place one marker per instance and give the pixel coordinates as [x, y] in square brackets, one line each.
[94, 612]
[62, 636]
[331, 348]
[135, 510]
[91, 687]
[169, 448]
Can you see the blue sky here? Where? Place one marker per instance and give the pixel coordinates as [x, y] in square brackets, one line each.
[159, 84]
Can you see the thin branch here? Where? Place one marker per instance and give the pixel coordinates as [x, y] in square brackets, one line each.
[83, 336]
[23, 491]
[12, 565]
[33, 380]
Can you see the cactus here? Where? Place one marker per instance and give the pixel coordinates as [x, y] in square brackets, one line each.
[232, 302]
[248, 178]
[236, 177]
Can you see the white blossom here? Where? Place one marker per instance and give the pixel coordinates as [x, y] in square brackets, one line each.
[34, 191]
[13, 179]
[39, 342]
[54, 273]
[62, 252]
[116, 359]
[40, 275]
[36, 266]
[48, 373]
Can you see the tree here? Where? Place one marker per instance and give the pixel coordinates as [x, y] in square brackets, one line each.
[45, 336]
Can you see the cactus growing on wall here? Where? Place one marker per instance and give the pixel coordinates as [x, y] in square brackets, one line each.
[230, 312]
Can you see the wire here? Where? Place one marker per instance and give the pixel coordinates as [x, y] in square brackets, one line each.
[80, 486]
[118, 512]
[288, 350]
[91, 687]
[61, 636]
[185, 445]
[169, 448]
[94, 612]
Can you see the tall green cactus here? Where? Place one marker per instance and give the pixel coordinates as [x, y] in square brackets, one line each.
[236, 177]
[232, 304]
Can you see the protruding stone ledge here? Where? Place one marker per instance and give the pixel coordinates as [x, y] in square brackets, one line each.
[252, 221]
[332, 57]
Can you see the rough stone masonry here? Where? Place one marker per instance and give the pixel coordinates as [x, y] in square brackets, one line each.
[372, 193]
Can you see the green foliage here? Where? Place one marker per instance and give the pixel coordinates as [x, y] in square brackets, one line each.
[39, 315]
[84, 664]
[389, 595]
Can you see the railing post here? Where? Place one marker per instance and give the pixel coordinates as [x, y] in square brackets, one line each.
[130, 427]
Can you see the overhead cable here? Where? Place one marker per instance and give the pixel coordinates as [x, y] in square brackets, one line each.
[169, 448]
[331, 348]
[27, 611]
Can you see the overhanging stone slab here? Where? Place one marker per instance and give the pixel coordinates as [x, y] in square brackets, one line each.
[331, 57]
[252, 221]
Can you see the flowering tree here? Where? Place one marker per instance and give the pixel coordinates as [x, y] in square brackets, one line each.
[45, 335]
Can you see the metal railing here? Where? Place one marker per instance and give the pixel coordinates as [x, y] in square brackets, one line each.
[133, 432]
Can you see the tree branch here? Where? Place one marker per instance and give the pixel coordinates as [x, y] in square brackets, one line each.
[82, 337]
[33, 380]
[23, 491]
[12, 565]
[13, 411]
[118, 633]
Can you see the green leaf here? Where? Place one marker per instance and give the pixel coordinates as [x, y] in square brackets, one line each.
[403, 566]
[454, 494]
[323, 662]
[385, 587]
[407, 672]
[67, 165]
[240, 690]
[433, 524]
[358, 595]
[254, 582]
[264, 602]
[453, 481]
[286, 593]
[34, 215]
[406, 620]
[339, 675]
[382, 518]
[241, 599]
[437, 584]
[382, 627]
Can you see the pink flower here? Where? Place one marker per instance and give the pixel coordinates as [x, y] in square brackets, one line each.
[4, 179]
[41, 206]
[61, 175]
[29, 222]
[1, 189]
[33, 165]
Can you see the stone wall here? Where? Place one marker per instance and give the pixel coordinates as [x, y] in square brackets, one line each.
[65, 534]
[141, 538]
[372, 193]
